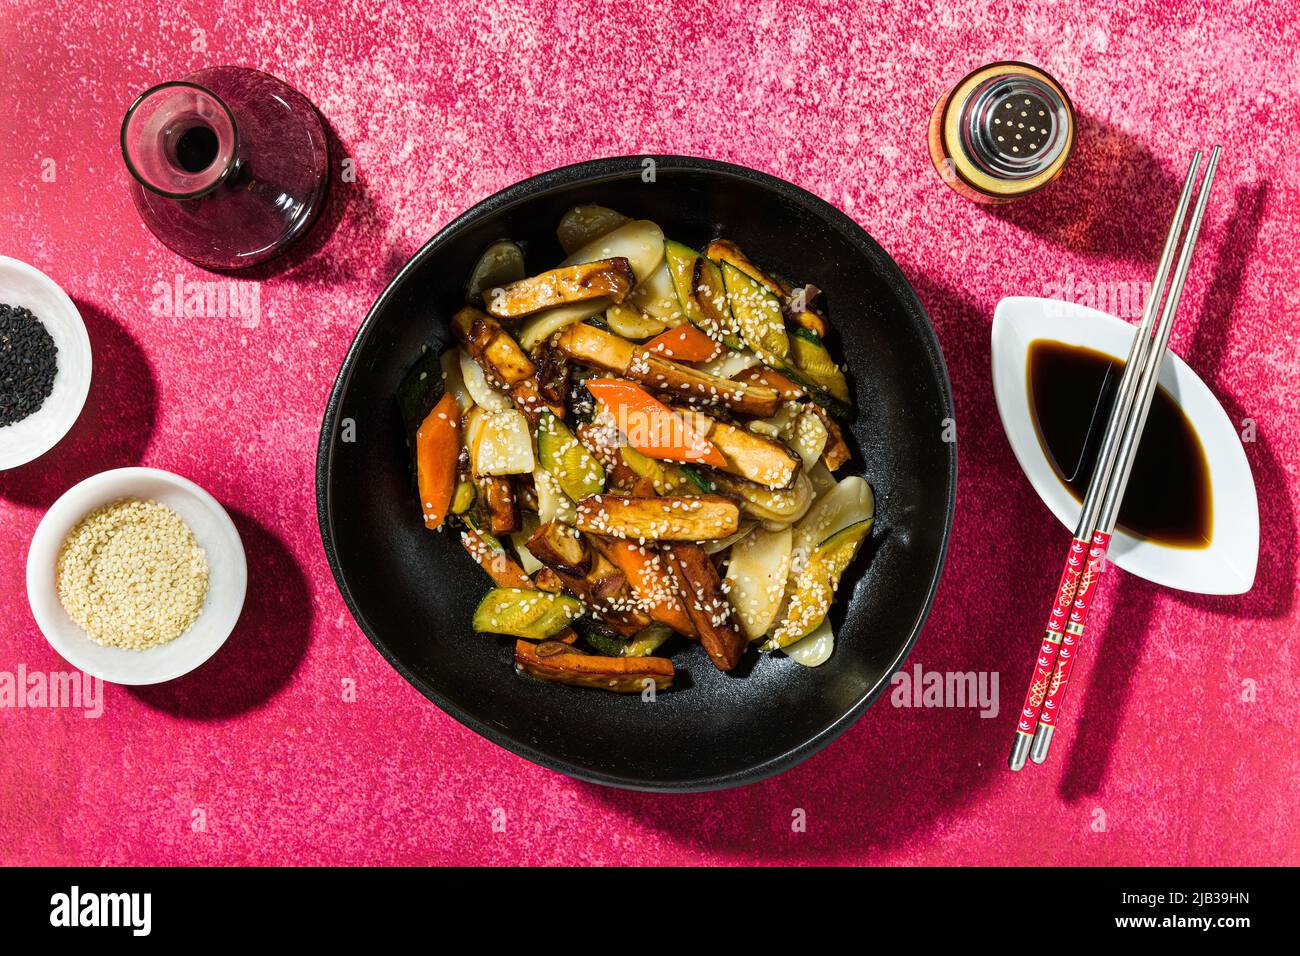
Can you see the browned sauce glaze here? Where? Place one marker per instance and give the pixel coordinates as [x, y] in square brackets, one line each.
[1071, 391]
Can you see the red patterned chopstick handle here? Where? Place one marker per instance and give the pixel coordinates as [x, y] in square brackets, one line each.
[1045, 666]
[1074, 629]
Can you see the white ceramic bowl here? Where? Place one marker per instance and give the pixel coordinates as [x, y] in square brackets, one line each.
[1227, 564]
[215, 533]
[26, 286]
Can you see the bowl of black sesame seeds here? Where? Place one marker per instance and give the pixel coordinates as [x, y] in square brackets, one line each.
[45, 363]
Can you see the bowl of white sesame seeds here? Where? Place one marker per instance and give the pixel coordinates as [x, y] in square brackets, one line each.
[136, 576]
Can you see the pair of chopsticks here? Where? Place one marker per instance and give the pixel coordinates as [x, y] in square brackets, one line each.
[1087, 555]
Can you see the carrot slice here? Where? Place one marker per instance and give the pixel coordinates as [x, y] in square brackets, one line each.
[437, 448]
[500, 567]
[651, 427]
[685, 343]
[650, 578]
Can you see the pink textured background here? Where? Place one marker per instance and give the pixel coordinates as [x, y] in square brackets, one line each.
[440, 107]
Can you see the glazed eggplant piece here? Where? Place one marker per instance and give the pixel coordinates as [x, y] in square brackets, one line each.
[558, 546]
[706, 603]
[752, 457]
[498, 499]
[589, 576]
[600, 349]
[836, 452]
[604, 278]
[561, 663]
[646, 518]
[650, 579]
[503, 361]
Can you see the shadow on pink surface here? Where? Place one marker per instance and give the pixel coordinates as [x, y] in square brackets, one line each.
[114, 428]
[313, 258]
[266, 647]
[1274, 592]
[1091, 208]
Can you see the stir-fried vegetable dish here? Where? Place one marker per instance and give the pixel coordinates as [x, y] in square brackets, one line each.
[639, 447]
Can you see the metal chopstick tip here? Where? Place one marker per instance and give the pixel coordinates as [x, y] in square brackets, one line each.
[1042, 743]
[1019, 751]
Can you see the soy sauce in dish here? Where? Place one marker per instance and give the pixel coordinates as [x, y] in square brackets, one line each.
[1071, 392]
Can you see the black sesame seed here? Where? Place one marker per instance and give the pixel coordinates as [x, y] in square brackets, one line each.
[28, 363]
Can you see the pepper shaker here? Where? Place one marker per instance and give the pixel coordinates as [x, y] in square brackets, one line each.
[1003, 132]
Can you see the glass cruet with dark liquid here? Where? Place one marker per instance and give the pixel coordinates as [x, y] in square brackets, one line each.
[230, 165]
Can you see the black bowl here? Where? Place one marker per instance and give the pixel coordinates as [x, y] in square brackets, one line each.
[413, 592]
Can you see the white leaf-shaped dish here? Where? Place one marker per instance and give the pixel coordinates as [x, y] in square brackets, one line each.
[1227, 564]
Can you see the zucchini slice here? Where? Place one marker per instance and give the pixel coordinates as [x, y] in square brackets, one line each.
[667, 477]
[757, 313]
[710, 294]
[606, 642]
[563, 456]
[723, 250]
[818, 393]
[812, 358]
[681, 268]
[600, 638]
[648, 641]
[531, 615]
[849, 502]
[682, 260]
[814, 586]
[463, 499]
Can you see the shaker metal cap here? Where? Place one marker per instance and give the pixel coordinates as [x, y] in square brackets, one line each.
[1015, 126]
[1005, 130]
